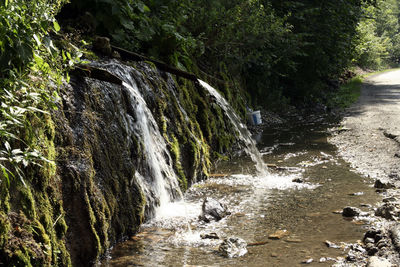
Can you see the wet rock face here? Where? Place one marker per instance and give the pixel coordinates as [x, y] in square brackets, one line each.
[213, 210]
[99, 156]
[233, 247]
[96, 163]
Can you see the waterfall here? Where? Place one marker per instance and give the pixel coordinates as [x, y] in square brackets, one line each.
[155, 173]
[243, 133]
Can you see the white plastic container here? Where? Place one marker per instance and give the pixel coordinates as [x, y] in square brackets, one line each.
[255, 117]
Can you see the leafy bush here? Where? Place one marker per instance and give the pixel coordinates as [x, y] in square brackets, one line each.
[32, 67]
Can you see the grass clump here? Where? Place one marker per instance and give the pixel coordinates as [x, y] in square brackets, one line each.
[347, 94]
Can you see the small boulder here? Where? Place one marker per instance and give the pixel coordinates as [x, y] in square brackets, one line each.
[369, 240]
[388, 211]
[351, 212]
[395, 235]
[233, 247]
[374, 234]
[102, 45]
[383, 184]
[390, 199]
[371, 249]
[213, 210]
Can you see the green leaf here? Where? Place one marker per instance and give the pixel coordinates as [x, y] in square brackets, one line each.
[5, 174]
[39, 61]
[56, 26]
[143, 8]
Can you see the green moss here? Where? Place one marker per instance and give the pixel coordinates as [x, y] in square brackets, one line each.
[5, 227]
[178, 166]
[20, 259]
[36, 201]
[27, 202]
[92, 222]
[151, 64]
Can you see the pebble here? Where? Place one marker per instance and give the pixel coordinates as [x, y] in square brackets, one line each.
[298, 180]
[330, 244]
[279, 234]
[307, 261]
[351, 258]
[357, 194]
[209, 236]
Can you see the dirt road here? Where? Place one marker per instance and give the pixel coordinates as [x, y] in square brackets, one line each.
[370, 134]
[369, 138]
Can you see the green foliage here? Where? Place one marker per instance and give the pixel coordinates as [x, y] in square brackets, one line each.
[277, 51]
[153, 27]
[244, 41]
[326, 31]
[31, 69]
[24, 27]
[378, 43]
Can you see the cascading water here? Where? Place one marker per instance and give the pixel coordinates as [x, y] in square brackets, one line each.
[243, 133]
[155, 150]
[156, 175]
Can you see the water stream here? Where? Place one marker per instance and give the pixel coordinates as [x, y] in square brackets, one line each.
[300, 195]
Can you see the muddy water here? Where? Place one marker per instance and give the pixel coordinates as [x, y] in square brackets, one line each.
[261, 206]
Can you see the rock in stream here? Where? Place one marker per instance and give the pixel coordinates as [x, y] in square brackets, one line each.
[213, 210]
[233, 247]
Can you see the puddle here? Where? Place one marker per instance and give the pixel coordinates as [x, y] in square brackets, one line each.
[307, 184]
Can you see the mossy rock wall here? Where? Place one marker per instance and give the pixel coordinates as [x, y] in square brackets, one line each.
[32, 218]
[71, 212]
